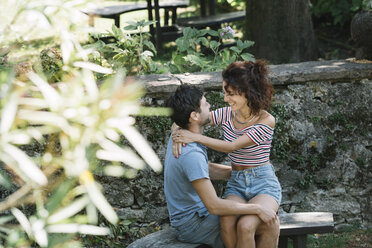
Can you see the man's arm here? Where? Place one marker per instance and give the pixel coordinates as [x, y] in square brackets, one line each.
[218, 206]
[219, 171]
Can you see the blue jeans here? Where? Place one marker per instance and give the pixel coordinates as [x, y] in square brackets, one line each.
[201, 230]
[254, 181]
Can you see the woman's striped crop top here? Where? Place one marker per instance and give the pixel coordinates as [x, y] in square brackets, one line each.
[260, 134]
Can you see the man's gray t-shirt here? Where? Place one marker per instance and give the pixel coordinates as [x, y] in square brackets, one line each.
[182, 199]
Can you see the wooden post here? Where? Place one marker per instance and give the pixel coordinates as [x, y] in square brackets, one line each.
[157, 25]
[283, 242]
[151, 18]
[299, 241]
[203, 9]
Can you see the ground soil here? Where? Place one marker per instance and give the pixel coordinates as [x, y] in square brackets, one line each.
[360, 240]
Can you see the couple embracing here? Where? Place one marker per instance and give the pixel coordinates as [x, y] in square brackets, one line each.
[246, 216]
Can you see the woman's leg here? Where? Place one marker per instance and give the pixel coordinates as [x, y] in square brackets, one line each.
[228, 225]
[251, 225]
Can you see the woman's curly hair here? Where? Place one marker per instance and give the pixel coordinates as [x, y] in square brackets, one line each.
[250, 78]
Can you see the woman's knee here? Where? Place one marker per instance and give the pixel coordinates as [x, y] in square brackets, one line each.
[228, 222]
[248, 225]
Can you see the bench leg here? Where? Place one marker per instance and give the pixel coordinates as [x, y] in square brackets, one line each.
[174, 16]
[299, 241]
[166, 17]
[117, 21]
[283, 242]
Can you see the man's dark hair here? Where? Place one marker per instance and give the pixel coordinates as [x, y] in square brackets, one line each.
[183, 101]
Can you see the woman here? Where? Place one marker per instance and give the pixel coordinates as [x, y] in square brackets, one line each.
[248, 131]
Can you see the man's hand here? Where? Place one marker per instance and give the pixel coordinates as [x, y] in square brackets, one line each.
[267, 215]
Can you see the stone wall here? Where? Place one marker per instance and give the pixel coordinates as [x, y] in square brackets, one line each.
[321, 150]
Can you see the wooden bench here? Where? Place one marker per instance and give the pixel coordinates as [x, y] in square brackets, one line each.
[295, 226]
[213, 21]
[114, 12]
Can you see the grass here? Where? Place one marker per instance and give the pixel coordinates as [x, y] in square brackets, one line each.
[353, 238]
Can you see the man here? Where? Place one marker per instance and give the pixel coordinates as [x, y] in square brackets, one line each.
[192, 201]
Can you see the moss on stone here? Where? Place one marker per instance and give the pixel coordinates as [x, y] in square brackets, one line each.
[155, 127]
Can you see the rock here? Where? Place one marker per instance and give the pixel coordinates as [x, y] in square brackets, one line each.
[343, 227]
[165, 238]
[115, 187]
[147, 214]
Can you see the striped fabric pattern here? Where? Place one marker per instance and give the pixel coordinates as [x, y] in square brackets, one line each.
[260, 134]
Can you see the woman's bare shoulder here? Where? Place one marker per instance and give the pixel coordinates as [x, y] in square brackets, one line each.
[266, 118]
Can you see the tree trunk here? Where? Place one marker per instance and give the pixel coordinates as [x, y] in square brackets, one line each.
[281, 29]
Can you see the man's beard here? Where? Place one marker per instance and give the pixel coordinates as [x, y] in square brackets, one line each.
[207, 121]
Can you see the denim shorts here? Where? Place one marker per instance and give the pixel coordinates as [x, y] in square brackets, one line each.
[201, 230]
[254, 181]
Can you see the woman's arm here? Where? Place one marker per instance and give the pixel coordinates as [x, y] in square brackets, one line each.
[185, 136]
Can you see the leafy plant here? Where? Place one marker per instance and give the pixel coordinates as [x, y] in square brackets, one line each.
[367, 5]
[338, 11]
[54, 138]
[133, 52]
[51, 62]
[195, 52]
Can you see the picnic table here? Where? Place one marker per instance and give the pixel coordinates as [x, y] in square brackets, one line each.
[167, 32]
[115, 11]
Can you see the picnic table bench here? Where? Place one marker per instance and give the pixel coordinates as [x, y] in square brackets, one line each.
[212, 21]
[295, 226]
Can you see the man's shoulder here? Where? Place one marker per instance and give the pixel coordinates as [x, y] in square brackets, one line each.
[192, 148]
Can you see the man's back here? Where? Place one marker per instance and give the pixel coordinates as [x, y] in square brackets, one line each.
[182, 199]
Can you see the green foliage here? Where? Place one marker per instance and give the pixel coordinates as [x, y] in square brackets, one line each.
[280, 146]
[157, 126]
[198, 52]
[134, 52]
[353, 237]
[51, 62]
[306, 181]
[315, 119]
[367, 4]
[54, 138]
[361, 162]
[338, 119]
[215, 99]
[338, 11]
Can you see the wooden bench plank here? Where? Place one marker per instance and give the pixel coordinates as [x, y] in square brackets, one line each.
[211, 21]
[306, 223]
